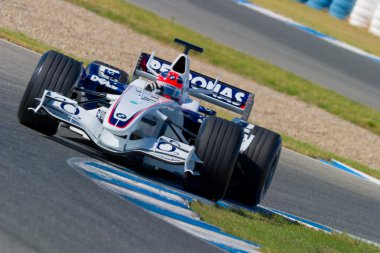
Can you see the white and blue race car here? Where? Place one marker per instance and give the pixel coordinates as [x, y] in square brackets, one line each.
[155, 118]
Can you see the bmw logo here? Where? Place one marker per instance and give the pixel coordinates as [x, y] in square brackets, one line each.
[121, 115]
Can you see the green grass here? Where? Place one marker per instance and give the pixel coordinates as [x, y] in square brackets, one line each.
[318, 152]
[29, 43]
[276, 234]
[288, 142]
[147, 23]
[323, 22]
[24, 41]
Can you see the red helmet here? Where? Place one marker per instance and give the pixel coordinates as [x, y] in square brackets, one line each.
[171, 84]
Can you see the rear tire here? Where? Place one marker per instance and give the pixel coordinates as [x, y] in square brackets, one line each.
[217, 145]
[256, 166]
[55, 72]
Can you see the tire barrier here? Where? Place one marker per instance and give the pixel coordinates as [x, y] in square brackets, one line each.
[308, 30]
[319, 4]
[341, 8]
[362, 13]
[375, 23]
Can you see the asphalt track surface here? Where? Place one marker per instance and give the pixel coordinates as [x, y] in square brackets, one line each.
[48, 207]
[347, 73]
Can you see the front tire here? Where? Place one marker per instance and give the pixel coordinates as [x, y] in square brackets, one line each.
[256, 166]
[217, 145]
[54, 72]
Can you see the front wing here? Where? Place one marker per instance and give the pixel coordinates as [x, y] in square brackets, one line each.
[161, 150]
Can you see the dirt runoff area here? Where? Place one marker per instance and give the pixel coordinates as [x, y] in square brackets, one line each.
[84, 34]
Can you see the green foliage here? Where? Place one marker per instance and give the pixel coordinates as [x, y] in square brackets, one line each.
[276, 234]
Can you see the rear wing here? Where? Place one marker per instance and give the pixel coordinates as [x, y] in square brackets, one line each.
[223, 94]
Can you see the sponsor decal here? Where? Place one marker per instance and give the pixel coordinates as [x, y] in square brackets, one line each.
[221, 91]
[108, 72]
[167, 147]
[206, 110]
[121, 116]
[70, 108]
[104, 82]
[248, 137]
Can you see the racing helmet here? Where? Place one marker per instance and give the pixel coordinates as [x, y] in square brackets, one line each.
[171, 84]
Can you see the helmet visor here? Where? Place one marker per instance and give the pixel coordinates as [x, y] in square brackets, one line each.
[171, 91]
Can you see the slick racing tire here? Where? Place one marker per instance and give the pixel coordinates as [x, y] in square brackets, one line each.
[217, 145]
[256, 166]
[54, 72]
[123, 78]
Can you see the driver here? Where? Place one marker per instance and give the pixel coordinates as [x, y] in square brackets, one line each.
[171, 84]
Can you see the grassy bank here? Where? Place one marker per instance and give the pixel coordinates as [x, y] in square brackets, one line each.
[289, 142]
[277, 234]
[317, 152]
[145, 22]
[32, 44]
[24, 41]
[324, 23]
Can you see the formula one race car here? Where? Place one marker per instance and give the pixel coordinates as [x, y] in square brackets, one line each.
[154, 118]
